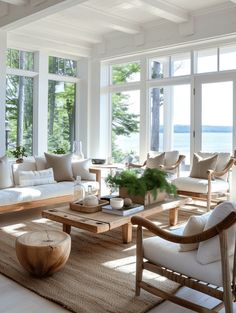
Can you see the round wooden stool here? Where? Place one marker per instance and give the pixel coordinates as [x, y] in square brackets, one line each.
[43, 253]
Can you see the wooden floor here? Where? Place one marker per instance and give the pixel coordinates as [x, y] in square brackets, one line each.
[16, 299]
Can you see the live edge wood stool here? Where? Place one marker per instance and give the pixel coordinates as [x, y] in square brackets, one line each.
[43, 253]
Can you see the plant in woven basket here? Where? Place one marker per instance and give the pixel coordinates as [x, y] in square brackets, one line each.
[151, 180]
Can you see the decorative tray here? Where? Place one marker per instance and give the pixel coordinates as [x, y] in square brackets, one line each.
[80, 207]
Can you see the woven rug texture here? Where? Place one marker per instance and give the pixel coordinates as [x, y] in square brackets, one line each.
[99, 276]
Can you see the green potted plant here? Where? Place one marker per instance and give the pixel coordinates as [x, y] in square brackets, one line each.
[59, 151]
[150, 186]
[19, 153]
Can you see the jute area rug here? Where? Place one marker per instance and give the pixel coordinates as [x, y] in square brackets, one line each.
[99, 276]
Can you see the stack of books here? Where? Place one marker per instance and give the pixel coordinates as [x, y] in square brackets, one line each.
[134, 208]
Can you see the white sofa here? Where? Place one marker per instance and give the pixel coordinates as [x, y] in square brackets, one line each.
[16, 195]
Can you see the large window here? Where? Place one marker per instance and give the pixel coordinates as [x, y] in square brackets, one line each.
[125, 126]
[19, 100]
[19, 112]
[61, 104]
[61, 115]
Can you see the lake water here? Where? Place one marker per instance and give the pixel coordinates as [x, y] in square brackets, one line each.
[212, 142]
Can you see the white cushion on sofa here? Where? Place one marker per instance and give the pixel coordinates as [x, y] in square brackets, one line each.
[81, 168]
[209, 250]
[25, 166]
[165, 253]
[5, 173]
[199, 185]
[33, 178]
[41, 163]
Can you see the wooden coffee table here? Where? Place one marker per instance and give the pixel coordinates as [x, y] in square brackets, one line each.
[100, 222]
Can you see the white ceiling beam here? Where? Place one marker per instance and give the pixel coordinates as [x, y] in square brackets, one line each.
[18, 41]
[16, 2]
[63, 26]
[22, 15]
[110, 21]
[163, 9]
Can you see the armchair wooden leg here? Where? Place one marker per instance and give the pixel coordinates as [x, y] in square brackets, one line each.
[227, 293]
[139, 260]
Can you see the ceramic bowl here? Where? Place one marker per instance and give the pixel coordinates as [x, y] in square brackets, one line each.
[117, 203]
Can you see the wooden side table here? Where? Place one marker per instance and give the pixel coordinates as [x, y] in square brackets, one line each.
[43, 253]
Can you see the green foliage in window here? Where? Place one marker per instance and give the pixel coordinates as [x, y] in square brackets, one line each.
[123, 122]
[61, 115]
[60, 66]
[19, 59]
[153, 180]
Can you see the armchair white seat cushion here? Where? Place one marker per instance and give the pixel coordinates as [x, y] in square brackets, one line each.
[198, 185]
[165, 253]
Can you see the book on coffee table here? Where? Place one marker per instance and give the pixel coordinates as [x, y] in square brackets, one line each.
[134, 208]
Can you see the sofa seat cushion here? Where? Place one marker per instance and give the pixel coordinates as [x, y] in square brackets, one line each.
[167, 254]
[199, 185]
[23, 194]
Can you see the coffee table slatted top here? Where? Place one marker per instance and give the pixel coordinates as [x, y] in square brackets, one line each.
[100, 222]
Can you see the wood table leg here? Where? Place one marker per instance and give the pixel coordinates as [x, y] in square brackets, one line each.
[173, 216]
[127, 233]
[66, 228]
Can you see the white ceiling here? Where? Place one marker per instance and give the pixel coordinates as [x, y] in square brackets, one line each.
[77, 28]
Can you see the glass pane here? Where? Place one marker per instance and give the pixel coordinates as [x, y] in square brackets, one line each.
[19, 112]
[159, 68]
[125, 73]
[61, 115]
[206, 60]
[227, 58]
[20, 59]
[157, 103]
[125, 126]
[174, 101]
[181, 95]
[180, 64]
[217, 117]
[64, 67]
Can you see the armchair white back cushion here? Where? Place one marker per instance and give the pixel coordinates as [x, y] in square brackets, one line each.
[209, 250]
[81, 168]
[5, 173]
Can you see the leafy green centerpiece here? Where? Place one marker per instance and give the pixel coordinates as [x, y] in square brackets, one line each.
[144, 186]
[19, 152]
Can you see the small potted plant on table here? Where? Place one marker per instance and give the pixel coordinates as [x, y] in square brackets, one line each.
[19, 153]
[149, 187]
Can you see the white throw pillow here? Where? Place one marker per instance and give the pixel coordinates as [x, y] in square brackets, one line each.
[195, 225]
[5, 173]
[25, 166]
[33, 178]
[209, 250]
[81, 168]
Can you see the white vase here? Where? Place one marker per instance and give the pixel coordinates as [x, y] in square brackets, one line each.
[77, 150]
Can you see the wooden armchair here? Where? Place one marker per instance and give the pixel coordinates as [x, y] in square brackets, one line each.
[161, 255]
[214, 180]
[167, 161]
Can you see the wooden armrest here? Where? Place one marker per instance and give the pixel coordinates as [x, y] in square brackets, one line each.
[96, 171]
[205, 235]
[174, 166]
[228, 166]
[133, 165]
